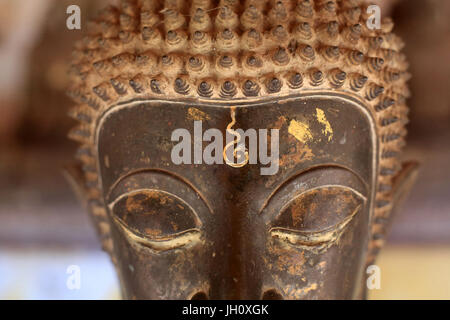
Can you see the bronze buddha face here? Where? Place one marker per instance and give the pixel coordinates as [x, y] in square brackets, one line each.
[193, 230]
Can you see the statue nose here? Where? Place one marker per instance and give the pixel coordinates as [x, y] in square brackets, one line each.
[235, 278]
[226, 284]
[234, 290]
[238, 276]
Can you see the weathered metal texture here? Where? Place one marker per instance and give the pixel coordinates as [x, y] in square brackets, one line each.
[336, 91]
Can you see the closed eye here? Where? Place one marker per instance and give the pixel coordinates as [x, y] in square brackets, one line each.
[160, 244]
[317, 238]
[156, 219]
[317, 217]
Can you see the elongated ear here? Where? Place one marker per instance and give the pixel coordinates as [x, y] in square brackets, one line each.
[402, 184]
[75, 176]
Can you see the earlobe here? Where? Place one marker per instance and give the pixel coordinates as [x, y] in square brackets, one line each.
[75, 176]
[402, 184]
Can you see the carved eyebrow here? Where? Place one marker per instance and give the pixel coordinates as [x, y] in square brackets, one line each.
[166, 175]
[133, 192]
[336, 180]
[323, 186]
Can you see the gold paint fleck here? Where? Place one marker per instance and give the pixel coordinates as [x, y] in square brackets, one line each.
[300, 131]
[281, 121]
[197, 115]
[174, 226]
[153, 232]
[106, 159]
[328, 131]
[133, 205]
[310, 288]
[293, 292]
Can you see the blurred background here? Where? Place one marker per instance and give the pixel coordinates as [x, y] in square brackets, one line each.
[44, 230]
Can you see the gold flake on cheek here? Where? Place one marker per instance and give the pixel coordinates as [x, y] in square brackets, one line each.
[197, 115]
[295, 292]
[300, 131]
[328, 131]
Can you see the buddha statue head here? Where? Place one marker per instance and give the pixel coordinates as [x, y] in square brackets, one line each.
[306, 82]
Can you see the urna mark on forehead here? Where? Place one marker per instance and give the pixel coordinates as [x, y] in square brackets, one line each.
[315, 130]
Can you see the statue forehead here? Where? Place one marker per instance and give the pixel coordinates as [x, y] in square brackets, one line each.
[314, 131]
